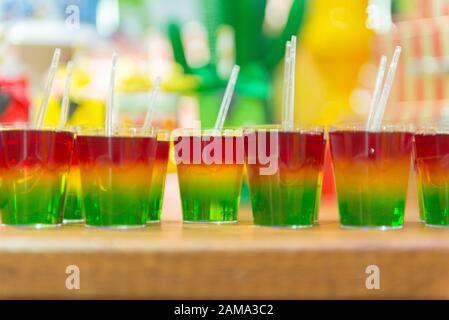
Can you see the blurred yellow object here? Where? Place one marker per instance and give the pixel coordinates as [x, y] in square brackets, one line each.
[80, 77]
[136, 82]
[171, 165]
[87, 94]
[178, 81]
[52, 116]
[90, 112]
[334, 44]
[174, 81]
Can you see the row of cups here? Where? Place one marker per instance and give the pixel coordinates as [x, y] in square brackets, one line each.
[122, 175]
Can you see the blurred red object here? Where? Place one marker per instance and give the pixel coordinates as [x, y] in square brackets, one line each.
[14, 101]
[328, 177]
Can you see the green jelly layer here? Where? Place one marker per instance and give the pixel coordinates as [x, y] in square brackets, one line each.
[156, 198]
[115, 207]
[371, 209]
[210, 201]
[276, 204]
[435, 204]
[38, 203]
[155, 212]
[73, 206]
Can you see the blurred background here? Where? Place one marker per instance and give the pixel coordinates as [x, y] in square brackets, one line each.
[193, 44]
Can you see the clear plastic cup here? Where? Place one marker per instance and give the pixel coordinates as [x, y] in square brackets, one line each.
[34, 164]
[371, 171]
[116, 176]
[159, 175]
[73, 209]
[210, 171]
[289, 195]
[418, 177]
[431, 156]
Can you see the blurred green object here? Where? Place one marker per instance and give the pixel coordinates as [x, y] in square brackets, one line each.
[403, 6]
[257, 54]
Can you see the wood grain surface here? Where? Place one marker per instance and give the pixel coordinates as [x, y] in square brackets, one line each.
[173, 260]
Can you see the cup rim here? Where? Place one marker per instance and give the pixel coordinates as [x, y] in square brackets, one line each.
[433, 129]
[118, 132]
[25, 126]
[361, 127]
[313, 129]
[163, 134]
[206, 132]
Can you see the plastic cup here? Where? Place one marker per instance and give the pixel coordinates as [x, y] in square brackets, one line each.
[210, 170]
[290, 195]
[73, 209]
[158, 178]
[34, 166]
[116, 176]
[431, 155]
[418, 177]
[371, 171]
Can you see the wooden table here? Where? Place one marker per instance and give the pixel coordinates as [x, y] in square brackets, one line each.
[227, 261]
